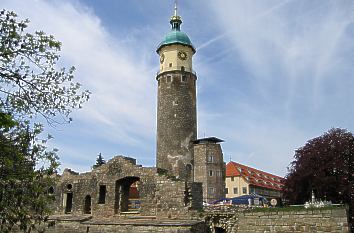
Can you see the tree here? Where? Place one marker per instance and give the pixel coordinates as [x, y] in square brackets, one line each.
[26, 171]
[99, 161]
[31, 85]
[324, 165]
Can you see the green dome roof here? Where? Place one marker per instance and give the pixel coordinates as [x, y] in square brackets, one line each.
[176, 37]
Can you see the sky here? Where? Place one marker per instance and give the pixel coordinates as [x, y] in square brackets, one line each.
[271, 74]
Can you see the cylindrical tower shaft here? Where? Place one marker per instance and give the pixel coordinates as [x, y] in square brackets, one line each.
[176, 107]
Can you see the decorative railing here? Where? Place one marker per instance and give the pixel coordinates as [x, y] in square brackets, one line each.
[175, 68]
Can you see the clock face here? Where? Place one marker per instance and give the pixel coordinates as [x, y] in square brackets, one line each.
[162, 58]
[182, 55]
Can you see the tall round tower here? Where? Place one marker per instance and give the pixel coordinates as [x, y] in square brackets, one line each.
[176, 107]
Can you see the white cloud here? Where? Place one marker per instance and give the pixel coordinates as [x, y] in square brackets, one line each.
[123, 94]
[296, 70]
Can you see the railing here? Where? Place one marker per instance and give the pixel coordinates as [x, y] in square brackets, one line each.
[176, 68]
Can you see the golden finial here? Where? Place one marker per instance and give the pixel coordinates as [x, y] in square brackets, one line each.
[176, 20]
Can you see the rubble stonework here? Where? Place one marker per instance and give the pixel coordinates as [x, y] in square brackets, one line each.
[159, 196]
[176, 123]
[234, 220]
[209, 168]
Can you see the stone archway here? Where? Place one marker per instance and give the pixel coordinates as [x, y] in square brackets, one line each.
[122, 193]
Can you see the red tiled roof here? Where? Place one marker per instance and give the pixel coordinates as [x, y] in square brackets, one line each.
[254, 176]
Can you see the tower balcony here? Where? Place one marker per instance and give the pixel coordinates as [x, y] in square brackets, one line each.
[174, 69]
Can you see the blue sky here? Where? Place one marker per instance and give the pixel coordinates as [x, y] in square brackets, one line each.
[271, 74]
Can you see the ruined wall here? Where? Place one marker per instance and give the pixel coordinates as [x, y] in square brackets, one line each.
[120, 168]
[160, 194]
[297, 221]
[176, 199]
[176, 122]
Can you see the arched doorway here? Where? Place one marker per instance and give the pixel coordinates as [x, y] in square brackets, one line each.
[68, 200]
[127, 195]
[87, 205]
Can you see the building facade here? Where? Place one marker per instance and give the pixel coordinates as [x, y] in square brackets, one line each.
[241, 180]
[209, 168]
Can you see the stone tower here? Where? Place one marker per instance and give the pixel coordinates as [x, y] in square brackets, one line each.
[176, 107]
[209, 168]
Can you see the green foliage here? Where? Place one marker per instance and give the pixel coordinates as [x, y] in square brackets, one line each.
[326, 166]
[31, 85]
[26, 173]
[99, 161]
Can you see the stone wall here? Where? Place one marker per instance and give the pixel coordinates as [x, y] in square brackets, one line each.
[159, 194]
[279, 221]
[127, 226]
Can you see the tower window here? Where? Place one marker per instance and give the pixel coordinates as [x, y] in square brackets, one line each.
[169, 78]
[210, 172]
[210, 159]
[182, 68]
[184, 78]
[102, 194]
[170, 65]
[211, 190]
[226, 191]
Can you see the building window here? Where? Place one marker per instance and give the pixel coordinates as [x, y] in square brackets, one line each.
[211, 190]
[235, 190]
[232, 178]
[170, 65]
[184, 78]
[102, 194]
[218, 173]
[226, 191]
[210, 172]
[244, 190]
[169, 78]
[182, 68]
[210, 159]
[252, 190]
